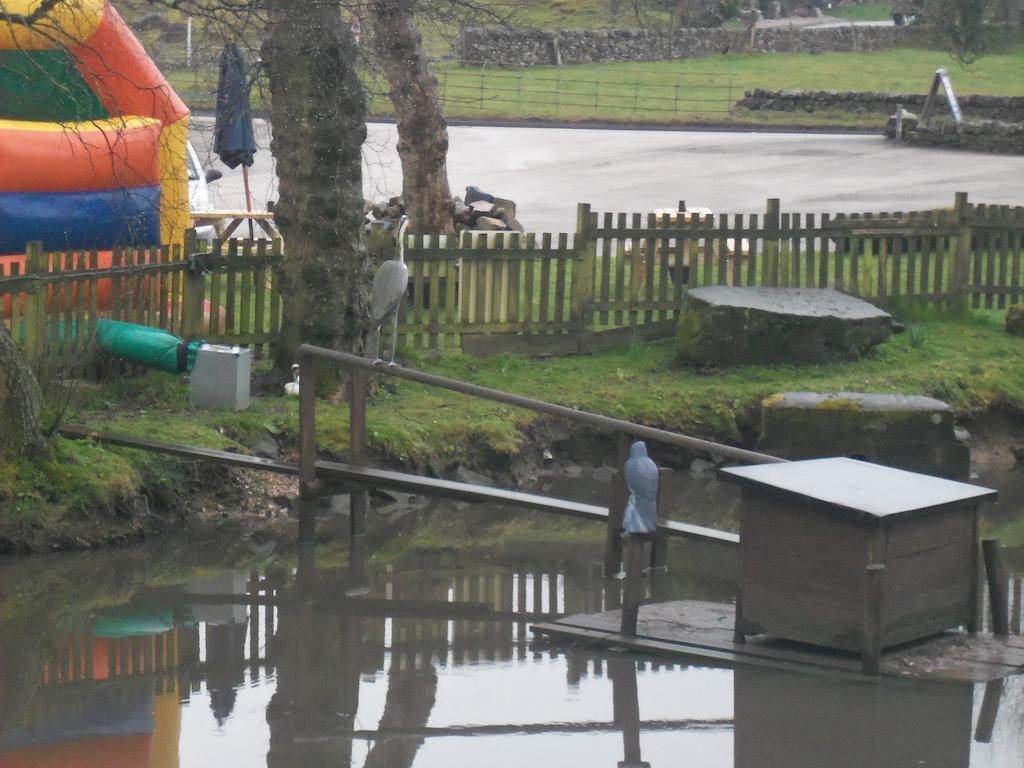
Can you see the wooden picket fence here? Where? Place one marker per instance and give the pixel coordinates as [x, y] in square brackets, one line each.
[624, 276]
[618, 278]
[230, 296]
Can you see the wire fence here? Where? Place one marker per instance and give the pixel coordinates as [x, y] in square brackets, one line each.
[577, 92]
[467, 89]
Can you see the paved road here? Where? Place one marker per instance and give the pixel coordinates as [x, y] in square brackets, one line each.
[547, 171]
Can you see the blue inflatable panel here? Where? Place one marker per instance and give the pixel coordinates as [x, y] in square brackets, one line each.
[62, 220]
[119, 708]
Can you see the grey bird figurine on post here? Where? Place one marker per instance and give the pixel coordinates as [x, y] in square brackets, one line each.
[389, 285]
[641, 514]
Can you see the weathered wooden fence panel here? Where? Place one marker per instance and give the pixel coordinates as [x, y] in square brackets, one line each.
[487, 284]
[52, 303]
[618, 273]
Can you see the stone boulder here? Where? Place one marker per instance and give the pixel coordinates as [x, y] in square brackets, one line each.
[1015, 320]
[909, 432]
[724, 326]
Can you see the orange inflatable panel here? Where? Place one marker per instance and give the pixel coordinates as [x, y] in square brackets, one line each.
[77, 157]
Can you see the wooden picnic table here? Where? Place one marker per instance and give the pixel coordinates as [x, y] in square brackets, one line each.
[263, 219]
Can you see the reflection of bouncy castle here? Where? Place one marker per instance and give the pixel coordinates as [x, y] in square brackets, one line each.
[92, 137]
[109, 699]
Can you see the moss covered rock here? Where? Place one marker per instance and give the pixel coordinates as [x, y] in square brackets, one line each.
[723, 326]
[1015, 320]
[905, 431]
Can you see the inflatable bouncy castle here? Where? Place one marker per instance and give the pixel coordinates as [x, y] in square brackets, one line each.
[92, 137]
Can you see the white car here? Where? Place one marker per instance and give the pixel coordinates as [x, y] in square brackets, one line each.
[199, 191]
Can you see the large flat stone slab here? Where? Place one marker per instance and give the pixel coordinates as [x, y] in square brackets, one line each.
[906, 431]
[726, 326]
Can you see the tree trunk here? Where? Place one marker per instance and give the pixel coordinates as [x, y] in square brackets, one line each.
[422, 130]
[20, 398]
[318, 112]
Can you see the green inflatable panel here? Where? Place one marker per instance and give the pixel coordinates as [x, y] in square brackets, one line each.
[152, 347]
[45, 85]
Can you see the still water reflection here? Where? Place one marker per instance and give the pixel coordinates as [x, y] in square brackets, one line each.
[429, 662]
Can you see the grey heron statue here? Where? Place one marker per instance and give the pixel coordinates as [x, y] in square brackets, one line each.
[642, 479]
[389, 285]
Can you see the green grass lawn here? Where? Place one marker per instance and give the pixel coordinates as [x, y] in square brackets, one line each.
[704, 90]
[968, 361]
[681, 91]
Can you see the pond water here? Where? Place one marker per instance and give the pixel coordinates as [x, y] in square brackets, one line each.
[164, 655]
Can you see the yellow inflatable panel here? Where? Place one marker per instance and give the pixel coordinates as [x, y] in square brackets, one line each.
[174, 211]
[69, 22]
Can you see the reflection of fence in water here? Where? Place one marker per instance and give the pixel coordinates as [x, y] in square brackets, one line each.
[517, 596]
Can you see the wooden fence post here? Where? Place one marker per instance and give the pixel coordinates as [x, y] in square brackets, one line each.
[194, 292]
[770, 276]
[998, 594]
[962, 252]
[307, 448]
[581, 306]
[36, 299]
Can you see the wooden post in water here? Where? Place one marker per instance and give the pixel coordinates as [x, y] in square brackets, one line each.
[998, 593]
[359, 497]
[635, 587]
[659, 545]
[616, 511]
[626, 709]
[871, 654]
[989, 711]
[307, 448]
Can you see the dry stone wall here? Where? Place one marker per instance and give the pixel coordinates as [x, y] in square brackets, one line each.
[533, 47]
[1007, 109]
[980, 135]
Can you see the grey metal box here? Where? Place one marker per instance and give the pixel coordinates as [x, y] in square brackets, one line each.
[220, 378]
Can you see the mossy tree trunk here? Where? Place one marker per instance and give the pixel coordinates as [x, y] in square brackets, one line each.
[422, 129]
[20, 399]
[318, 112]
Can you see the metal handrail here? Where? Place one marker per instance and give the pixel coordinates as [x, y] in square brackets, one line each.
[597, 421]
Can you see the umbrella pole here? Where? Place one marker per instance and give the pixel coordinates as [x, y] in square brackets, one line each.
[248, 198]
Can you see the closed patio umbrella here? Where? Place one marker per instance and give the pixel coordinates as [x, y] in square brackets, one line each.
[234, 141]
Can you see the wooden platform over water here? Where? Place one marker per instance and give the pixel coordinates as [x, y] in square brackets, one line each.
[703, 632]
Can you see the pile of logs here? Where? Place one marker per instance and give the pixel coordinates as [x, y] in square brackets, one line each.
[477, 211]
[482, 211]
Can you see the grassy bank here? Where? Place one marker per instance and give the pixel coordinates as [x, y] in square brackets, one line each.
[969, 362]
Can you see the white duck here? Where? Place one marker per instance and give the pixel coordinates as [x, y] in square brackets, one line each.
[292, 387]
